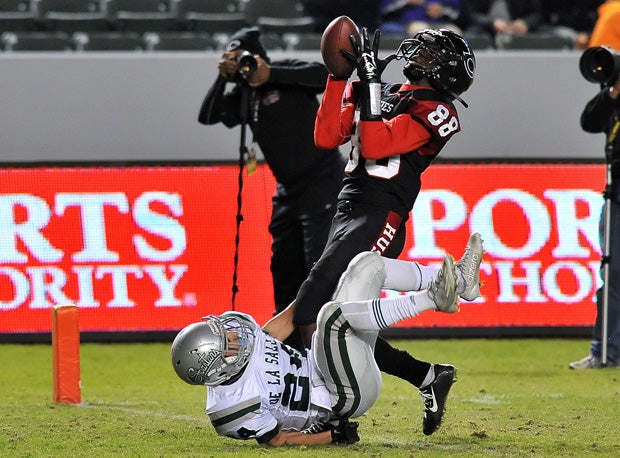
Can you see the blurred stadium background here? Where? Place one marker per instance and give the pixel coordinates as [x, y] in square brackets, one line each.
[113, 197]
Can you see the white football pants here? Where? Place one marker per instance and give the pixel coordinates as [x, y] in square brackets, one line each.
[345, 355]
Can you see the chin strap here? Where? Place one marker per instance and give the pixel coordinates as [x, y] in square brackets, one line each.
[460, 100]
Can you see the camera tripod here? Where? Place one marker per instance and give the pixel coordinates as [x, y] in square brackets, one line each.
[605, 264]
[243, 156]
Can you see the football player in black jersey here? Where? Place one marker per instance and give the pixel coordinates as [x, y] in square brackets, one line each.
[395, 131]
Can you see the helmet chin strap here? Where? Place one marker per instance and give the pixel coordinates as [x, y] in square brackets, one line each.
[459, 99]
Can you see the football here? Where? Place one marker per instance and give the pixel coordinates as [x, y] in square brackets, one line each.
[336, 37]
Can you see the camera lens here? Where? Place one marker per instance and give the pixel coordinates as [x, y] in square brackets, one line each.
[247, 64]
[599, 64]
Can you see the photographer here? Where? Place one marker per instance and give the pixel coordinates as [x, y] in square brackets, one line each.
[280, 109]
[602, 114]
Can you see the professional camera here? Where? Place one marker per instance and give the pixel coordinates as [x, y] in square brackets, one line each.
[600, 64]
[247, 64]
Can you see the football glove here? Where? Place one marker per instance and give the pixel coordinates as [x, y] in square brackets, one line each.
[366, 58]
[369, 69]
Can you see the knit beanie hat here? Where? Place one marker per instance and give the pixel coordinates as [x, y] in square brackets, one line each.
[247, 38]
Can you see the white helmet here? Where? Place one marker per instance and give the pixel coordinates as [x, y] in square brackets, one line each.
[201, 354]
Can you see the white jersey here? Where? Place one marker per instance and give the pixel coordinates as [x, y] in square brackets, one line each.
[279, 388]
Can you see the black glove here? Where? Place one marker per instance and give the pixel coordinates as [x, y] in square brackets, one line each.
[366, 58]
[369, 68]
[345, 432]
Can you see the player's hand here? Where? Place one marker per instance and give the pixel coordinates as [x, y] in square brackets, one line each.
[345, 432]
[369, 69]
[364, 57]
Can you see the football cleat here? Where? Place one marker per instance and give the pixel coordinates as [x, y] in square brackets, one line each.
[434, 397]
[468, 268]
[442, 290]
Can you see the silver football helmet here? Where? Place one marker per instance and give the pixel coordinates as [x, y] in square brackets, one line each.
[202, 354]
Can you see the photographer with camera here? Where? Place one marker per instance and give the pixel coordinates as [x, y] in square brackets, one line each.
[279, 101]
[601, 64]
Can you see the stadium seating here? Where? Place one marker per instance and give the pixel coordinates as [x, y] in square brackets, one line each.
[212, 16]
[142, 15]
[107, 41]
[72, 15]
[389, 43]
[533, 41]
[178, 41]
[302, 41]
[36, 41]
[17, 15]
[284, 23]
[479, 41]
[279, 16]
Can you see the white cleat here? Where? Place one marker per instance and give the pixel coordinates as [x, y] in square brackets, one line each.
[442, 290]
[468, 268]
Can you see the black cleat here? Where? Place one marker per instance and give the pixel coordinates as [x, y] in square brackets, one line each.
[435, 395]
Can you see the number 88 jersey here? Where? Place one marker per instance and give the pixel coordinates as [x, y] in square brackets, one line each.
[387, 156]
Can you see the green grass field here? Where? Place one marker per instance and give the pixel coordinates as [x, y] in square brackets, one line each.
[513, 398]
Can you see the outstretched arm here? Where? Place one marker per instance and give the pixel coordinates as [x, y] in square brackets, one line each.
[299, 438]
[345, 432]
[281, 326]
[334, 119]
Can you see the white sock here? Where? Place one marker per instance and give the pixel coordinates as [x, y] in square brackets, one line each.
[407, 276]
[377, 314]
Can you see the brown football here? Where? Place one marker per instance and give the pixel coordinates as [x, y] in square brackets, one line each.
[336, 37]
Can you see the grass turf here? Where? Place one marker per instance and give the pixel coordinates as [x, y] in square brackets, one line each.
[513, 398]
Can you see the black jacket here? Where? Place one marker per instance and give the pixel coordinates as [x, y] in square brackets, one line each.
[281, 115]
[600, 115]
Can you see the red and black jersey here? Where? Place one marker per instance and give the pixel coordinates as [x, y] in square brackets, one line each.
[387, 157]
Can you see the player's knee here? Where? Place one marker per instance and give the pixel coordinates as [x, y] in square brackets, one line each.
[327, 311]
[366, 264]
[363, 279]
[364, 259]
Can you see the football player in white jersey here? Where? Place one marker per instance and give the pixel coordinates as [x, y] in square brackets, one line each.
[259, 388]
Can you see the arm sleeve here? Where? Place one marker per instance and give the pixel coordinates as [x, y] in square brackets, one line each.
[334, 119]
[597, 112]
[390, 137]
[219, 107]
[309, 75]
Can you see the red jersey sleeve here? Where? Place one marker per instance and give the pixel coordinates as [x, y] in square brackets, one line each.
[334, 119]
[388, 138]
[424, 126]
